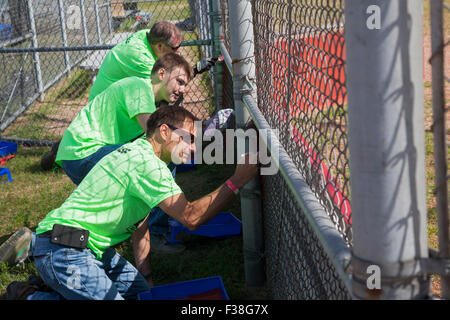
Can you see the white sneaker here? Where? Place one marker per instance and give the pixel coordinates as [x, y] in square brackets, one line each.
[16, 249]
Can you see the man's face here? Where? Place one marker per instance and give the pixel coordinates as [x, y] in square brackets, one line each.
[180, 143]
[173, 46]
[164, 48]
[173, 84]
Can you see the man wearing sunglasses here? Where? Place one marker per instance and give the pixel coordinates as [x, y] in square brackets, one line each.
[133, 57]
[127, 183]
[119, 115]
[136, 55]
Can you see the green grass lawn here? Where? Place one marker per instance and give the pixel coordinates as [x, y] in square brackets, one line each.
[34, 193]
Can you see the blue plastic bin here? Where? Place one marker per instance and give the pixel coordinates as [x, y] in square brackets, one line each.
[186, 166]
[181, 290]
[5, 31]
[7, 148]
[222, 225]
[5, 171]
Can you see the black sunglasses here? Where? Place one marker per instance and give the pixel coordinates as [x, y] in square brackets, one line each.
[175, 128]
[174, 48]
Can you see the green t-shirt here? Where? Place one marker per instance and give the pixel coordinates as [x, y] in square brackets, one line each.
[115, 196]
[108, 119]
[131, 57]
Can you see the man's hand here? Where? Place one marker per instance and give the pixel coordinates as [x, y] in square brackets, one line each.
[204, 65]
[194, 214]
[246, 170]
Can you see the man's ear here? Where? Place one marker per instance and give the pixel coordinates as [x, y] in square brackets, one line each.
[161, 73]
[164, 132]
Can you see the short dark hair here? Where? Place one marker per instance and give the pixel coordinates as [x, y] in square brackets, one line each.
[171, 60]
[170, 115]
[164, 31]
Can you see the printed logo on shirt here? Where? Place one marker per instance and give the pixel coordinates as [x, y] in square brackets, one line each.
[131, 229]
[123, 150]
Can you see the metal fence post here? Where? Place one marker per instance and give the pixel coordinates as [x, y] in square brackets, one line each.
[34, 43]
[387, 153]
[62, 22]
[97, 22]
[439, 140]
[216, 39]
[109, 16]
[242, 54]
[83, 22]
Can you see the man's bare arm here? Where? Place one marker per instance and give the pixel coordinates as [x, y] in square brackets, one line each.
[194, 214]
[141, 249]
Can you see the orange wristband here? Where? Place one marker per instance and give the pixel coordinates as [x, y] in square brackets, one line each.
[232, 186]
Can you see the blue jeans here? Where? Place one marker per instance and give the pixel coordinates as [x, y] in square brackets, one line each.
[76, 274]
[78, 169]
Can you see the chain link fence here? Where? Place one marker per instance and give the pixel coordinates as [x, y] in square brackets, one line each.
[227, 91]
[57, 47]
[301, 86]
[300, 57]
[297, 267]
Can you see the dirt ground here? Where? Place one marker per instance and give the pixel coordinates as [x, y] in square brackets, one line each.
[427, 75]
[427, 72]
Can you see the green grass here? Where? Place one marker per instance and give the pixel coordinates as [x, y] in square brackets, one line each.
[34, 193]
[177, 10]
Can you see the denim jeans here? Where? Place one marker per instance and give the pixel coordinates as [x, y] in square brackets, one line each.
[76, 274]
[78, 169]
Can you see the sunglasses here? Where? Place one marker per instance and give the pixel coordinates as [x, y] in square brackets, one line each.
[174, 48]
[186, 133]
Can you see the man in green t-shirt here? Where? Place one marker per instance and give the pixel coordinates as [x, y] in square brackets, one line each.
[112, 204]
[136, 55]
[133, 57]
[119, 115]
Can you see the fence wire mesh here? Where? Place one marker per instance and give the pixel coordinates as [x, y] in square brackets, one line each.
[42, 91]
[300, 56]
[296, 265]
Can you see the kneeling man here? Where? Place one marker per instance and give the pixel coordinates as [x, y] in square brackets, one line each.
[72, 246]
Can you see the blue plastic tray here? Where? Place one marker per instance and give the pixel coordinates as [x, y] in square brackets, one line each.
[5, 171]
[180, 290]
[222, 225]
[186, 166]
[7, 148]
[5, 31]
